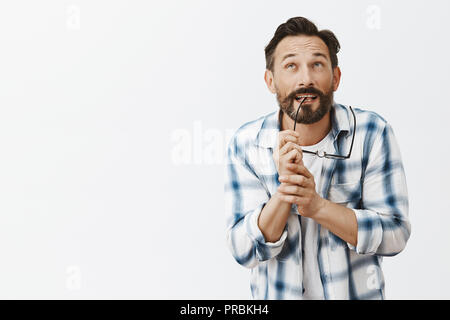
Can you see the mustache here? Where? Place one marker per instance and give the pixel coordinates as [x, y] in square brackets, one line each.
[311, 90]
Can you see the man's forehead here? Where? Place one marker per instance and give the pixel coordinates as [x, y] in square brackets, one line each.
[300, 44]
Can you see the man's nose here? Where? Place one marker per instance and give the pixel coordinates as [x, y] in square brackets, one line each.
[305, 78]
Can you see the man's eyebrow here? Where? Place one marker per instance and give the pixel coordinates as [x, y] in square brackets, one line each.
[316, 54]
[288, 56]
[320, 54]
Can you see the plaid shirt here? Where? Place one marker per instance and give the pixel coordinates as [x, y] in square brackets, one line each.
[372, 183]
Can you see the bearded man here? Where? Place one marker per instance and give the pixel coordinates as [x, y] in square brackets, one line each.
[316, 192]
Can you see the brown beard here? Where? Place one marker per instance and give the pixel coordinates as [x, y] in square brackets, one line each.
[306, 115]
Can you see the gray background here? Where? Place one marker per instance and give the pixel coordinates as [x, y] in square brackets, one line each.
[114, 120]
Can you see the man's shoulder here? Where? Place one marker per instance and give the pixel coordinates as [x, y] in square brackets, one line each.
[369, 119]
[248, 132]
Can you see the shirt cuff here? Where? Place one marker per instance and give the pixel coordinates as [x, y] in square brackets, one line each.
[264, 250]
[369, 232]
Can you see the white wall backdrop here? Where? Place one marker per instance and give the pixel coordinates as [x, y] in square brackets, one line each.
[114, 117]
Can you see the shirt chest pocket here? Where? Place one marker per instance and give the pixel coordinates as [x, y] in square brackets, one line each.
[348, 194]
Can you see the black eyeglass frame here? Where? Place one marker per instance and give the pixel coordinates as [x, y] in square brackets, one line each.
[323, 154]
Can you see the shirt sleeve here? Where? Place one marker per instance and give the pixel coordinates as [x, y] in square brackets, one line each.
[383, 223]
[245, 197]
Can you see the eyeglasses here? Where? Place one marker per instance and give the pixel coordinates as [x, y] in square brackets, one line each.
[323, 154]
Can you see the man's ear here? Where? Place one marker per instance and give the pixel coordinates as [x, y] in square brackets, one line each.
[336, 77]
[268, 78]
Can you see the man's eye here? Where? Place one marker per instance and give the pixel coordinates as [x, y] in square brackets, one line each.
[318, 64]
[289, 65]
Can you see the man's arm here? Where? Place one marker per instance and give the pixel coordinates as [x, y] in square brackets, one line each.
[300, 189]
[275, 214]
[273, 218]
[382, 225]
[339, 220]
[257, 226]
[245, 199]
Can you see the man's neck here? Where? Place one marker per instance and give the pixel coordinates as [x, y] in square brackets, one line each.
[310, 134]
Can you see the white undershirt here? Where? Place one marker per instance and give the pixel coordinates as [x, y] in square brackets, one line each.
[311, 275]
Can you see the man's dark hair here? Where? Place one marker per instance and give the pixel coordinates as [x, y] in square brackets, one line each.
[301, 26]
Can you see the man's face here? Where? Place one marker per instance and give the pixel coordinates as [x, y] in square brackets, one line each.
[302, 66]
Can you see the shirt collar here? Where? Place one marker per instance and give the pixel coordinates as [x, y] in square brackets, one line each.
[340, 122]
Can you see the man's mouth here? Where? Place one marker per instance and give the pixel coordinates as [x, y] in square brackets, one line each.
[309, 97]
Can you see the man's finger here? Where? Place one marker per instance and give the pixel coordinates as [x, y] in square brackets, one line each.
[283, 139]
[294, 154]
[292, 189]
[300, 169]
[283, 185]
[287, 134]
[291, 132]
[295, 179]
[291, 199]
[290, 146]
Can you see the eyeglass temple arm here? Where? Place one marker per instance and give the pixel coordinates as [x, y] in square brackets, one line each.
[354, 131]
[298, 109]
[351, 145]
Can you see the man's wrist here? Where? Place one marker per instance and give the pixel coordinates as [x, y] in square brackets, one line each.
[277, 197]
[321, 208]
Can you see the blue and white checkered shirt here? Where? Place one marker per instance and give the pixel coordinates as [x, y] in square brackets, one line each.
[372, 182]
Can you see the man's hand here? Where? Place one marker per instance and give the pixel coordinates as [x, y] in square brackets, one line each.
[287, 151]
[300, 188]
[273, 217]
